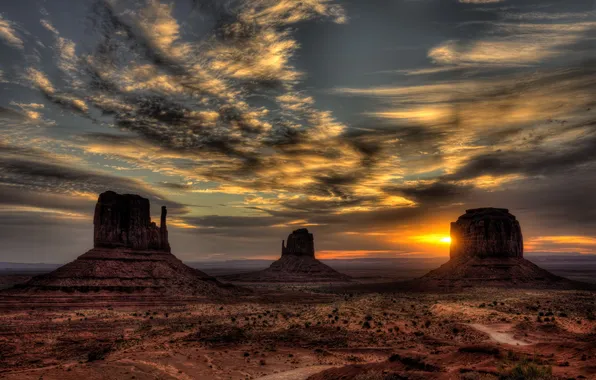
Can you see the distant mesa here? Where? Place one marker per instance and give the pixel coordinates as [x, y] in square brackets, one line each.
[296, 264]
[131, 254]
[487, 250]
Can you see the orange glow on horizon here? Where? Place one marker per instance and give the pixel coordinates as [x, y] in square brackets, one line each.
[432, 239]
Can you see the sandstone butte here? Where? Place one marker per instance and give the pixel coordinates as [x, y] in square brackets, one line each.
[130, 254]
[296, 264]
[487, 249]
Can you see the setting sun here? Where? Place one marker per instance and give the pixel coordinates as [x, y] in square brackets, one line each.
[432, 239]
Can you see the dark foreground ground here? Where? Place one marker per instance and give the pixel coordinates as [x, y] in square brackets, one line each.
[573, 267]
[299, 332]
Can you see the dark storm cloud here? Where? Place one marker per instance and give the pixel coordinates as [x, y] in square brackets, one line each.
[13, 195]
[560, 204]
[175, 186]
[12, 115]
[436, 192]
[537, 161]
[27, 172]
[216, 221]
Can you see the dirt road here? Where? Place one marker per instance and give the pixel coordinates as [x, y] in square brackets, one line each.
[297, 374]
[500, 334]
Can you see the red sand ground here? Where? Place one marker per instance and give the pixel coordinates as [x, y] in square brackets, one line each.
[275, 330]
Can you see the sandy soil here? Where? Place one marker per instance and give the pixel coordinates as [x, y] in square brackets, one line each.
[305, 329]
[500, 334]
[297, 374]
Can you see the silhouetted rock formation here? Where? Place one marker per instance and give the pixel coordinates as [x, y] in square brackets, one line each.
[297, 264]
[486, 232]
[487, 250]
[124, 221]
[131, 254]
[300, 243]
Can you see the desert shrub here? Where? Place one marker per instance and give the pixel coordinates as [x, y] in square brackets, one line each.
[219, 334]
[528, 371]
[366, 325]
[480, 349]
[98, 353]
[415, 363]
[378, 375]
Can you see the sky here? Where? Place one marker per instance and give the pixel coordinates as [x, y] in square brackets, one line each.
[373, 123]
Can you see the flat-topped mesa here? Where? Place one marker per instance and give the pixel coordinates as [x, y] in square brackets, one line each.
[300, 243]
[486, 233]
[124, 221]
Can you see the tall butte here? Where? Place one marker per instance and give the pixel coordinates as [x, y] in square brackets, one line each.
[487, 249]
[296, 264]
[124, 221]
[130, 254]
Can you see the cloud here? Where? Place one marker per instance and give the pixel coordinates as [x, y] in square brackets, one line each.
[34, 172]
[514, 44]
[211, 100]
[9, 34]
[480, 1]
[432, 193]
[68, 101]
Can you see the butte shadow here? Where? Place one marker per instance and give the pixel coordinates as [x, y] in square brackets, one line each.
[296, 264]
[130, 254]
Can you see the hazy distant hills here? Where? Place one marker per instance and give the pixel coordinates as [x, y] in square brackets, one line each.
[574, 266]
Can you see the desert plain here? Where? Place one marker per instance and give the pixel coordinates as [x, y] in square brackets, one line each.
[300, 331]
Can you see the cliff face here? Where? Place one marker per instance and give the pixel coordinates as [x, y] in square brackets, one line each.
[300, 243]
[124, 221]
[486, 233]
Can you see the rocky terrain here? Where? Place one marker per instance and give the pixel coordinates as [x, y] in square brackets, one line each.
[294, 333]
[128, 309]
[297, 264]
[131, 254]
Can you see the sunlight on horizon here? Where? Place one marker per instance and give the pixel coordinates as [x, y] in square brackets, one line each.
[432, 239]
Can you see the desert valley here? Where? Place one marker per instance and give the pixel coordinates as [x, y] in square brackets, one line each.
[128, 309]
[297, 189]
